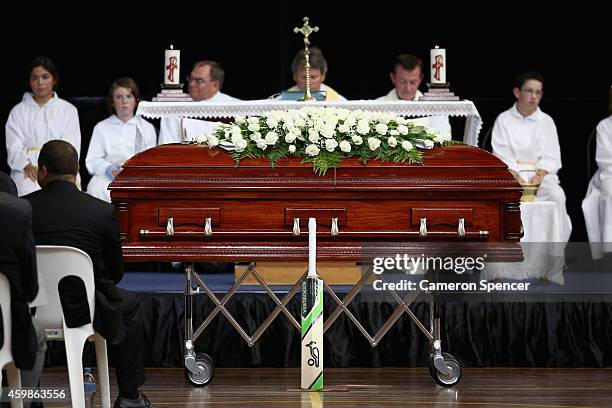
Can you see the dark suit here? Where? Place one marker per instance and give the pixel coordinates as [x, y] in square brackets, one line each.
[18, 263]
[63, 215]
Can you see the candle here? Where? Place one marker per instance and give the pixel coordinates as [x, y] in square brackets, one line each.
[172, 66]
[438, 65]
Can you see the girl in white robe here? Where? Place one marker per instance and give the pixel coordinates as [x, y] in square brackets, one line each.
[41, 116]
[597, 205]
[117, 138]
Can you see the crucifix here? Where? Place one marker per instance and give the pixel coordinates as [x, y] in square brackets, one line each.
[306, 30]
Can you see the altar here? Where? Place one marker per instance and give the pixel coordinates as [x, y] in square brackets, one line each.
[225, 110]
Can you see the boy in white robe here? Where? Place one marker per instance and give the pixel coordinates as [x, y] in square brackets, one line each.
[597, 205]
[205, 83]
[117, 138]
[40, 116]
[526, 139]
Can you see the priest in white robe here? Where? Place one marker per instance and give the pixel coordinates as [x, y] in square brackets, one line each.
[40, 116]
[117, 138]
[205, 83]
[406, 76]
[526, 139]
[597, 205]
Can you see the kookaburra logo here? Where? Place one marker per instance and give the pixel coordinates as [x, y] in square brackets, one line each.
[314, 353]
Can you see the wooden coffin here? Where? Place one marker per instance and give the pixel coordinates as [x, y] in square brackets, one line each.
[188, 202]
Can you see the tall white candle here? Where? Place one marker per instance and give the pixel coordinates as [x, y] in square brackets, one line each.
[438, 65]
[172, 66]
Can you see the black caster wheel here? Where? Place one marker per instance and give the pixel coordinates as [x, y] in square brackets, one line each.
[446, 380]
[206, 364]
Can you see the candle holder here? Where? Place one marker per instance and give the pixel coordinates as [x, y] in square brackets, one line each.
[306, 30]
[438, 88]
[172, 93]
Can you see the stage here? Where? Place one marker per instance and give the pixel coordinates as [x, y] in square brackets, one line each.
[481, 331]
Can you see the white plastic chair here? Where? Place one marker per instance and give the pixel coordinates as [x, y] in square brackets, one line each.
[55, 263]
[6, 354]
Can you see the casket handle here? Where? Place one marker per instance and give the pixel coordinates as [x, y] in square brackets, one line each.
[170, 227]
[208, 227]
[296, 227]
[461, 227]
[423, 227]
[334, 227]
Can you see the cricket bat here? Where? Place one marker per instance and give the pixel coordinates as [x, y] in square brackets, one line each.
[312, 318]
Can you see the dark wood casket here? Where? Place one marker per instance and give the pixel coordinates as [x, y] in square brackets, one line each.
[188, 202]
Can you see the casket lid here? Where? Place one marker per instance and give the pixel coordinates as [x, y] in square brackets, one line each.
[181, 166]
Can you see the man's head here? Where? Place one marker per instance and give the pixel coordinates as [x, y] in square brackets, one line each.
[58, 160]
[406, 75]
[318, 69]
[205, 80]
[528, 91]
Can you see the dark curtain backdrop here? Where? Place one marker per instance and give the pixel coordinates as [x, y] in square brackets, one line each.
[487, 44]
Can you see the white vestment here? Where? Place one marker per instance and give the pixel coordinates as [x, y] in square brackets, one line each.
[170, 127]
[597, 205]
[30, 126]
[438, 124]
[112, 143]
[529, 143]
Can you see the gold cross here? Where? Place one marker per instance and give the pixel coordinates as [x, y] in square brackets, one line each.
[306, 30]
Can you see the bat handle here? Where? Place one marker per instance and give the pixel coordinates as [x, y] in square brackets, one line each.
[312, 247]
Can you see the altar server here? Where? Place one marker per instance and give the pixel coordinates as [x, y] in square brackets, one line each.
[117, 138]
[597, 205]
[40, 116]
[526, 139]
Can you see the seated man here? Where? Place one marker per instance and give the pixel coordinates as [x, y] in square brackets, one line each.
[318, 72]
[18, 264]
[597, 205]
[63, 215]
[205, 83]
[526, 139]
[406, 75]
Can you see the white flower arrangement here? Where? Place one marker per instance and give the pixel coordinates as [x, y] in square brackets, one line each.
[324, 136]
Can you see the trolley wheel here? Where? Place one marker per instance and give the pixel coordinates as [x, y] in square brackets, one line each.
[207, 365]
[444, 379]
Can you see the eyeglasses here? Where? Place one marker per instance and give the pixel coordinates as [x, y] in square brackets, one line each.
[199, 81]
[533, 92]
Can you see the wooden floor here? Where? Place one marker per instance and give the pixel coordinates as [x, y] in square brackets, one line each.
[368, 387]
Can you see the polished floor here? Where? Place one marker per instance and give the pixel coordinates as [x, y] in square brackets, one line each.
[368, 387]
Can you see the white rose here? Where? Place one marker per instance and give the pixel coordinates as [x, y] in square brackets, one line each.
[428, 143]
[330, 145]
[381, 129]
[261, 143]
[313, 135]
[240, 119]
[344, 128]
[202, 139]
[328, 132]
[271, 138]
[312, 150]
[271, 122]
[442, 137]
[236, 138]
[212, 141]
[240, 145]
[345, 146]
[402, 129]
[394, 132]
[255, 136]
[392, 141]
[252, 119]
[373, 143]
[406, 145]
[357, 140]
[290, 138]
[363, 127]
[292, 149]
[253, 127]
